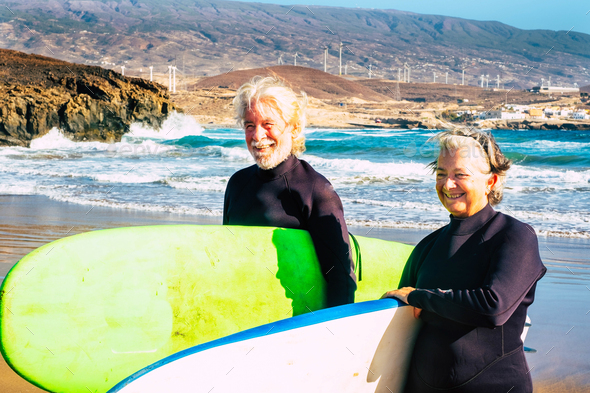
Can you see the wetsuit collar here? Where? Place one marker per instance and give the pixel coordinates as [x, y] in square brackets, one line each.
[278, 171]
[467, 226]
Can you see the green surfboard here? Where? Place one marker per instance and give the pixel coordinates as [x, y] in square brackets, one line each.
[83, 312]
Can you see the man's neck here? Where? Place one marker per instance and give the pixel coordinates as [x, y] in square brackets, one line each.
[285, 166]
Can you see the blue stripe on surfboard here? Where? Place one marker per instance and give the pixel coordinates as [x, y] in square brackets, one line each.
[299, 321]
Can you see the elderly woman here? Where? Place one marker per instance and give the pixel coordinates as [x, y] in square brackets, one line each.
[281, 190]
[472, 280]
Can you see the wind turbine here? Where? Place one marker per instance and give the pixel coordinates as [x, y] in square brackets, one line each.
[340, 55]
[340, 45]
[280, 61]
[406, 74]
[174, 79]
[295, 59]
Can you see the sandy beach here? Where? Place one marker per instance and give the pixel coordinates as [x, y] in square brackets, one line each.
[560, 314]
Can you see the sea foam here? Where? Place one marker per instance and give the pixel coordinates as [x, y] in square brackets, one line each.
[55, 139]
[176, 126]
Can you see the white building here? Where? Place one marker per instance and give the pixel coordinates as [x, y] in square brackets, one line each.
[555, 89]
[517, 108]
[501, 115]
[580, 115]
[512, 116]
[490, 115]
[467, 112]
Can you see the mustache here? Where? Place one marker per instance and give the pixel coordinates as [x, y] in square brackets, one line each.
[263, 143]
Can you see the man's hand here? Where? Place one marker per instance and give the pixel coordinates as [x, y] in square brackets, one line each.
[402, 294]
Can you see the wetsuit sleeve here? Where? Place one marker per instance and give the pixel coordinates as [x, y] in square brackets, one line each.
[226, 203]
[329, 234]
[515, 267]
[233, 185]
[408, 278]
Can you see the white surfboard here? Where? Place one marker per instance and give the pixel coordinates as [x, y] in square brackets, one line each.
[362, 347]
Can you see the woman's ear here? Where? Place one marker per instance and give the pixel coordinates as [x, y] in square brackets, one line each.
[492, 181]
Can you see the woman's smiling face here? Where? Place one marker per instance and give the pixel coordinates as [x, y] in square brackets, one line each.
[463, 180]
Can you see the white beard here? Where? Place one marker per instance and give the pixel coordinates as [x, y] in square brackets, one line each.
[267, 161]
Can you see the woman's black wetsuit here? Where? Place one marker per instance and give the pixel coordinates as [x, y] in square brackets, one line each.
[477, 276]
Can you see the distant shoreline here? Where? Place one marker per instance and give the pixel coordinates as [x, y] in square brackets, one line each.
[524, 125]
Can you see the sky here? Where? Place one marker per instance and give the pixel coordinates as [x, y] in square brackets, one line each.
[524, 14]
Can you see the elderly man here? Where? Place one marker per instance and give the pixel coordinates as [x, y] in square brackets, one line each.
[283, 191]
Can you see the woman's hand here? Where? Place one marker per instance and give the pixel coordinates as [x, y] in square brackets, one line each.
[402, 294]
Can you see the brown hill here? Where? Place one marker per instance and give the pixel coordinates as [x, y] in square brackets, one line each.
[314, 82]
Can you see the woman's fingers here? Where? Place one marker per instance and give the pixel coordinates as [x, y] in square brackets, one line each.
[401, 294]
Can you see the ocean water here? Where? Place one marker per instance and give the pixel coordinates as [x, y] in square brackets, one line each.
[380, 175]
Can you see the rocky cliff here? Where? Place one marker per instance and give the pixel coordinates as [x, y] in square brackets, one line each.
[86, 103]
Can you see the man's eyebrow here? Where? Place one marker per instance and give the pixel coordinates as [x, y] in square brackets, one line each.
[465, 170]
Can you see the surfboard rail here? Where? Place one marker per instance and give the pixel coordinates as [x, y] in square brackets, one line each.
[381, 332]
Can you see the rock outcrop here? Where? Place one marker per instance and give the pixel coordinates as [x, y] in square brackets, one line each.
[399, 124]
[548, 124]
[87, 103]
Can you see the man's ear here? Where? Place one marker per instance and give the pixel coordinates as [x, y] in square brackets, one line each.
[295, 129]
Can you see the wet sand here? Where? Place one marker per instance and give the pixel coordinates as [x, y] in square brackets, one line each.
[560, 314]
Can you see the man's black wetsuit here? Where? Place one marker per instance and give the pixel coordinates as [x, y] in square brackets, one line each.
[477, 278]
[294, 195]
